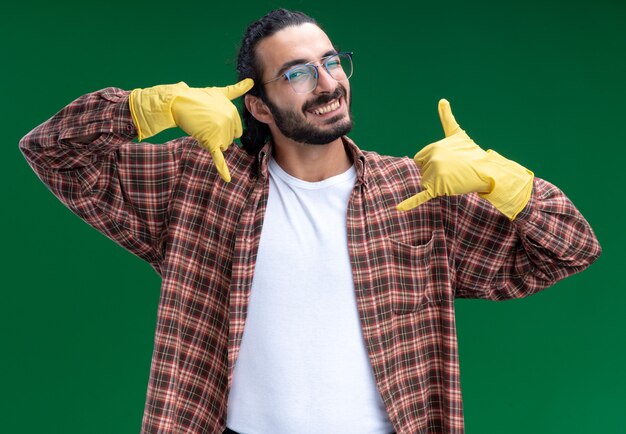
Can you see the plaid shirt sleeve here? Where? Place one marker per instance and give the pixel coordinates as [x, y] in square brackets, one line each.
[498, 260]
[86, 157]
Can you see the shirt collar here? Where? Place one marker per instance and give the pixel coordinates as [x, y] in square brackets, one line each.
[357, 156]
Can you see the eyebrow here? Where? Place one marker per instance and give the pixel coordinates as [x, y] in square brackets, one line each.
[300, 61]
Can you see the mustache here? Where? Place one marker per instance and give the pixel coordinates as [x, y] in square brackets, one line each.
[325, 98]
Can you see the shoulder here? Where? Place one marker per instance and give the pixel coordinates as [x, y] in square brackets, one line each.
[398, 173]
[388, 163]
[382, 165]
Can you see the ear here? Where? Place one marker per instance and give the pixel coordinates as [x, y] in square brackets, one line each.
[258, 109]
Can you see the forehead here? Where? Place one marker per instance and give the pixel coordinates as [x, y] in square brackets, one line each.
[306, 41]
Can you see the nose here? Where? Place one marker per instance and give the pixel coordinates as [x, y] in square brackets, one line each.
[325, 82]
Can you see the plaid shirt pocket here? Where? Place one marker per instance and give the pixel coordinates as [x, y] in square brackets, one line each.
[414, 274]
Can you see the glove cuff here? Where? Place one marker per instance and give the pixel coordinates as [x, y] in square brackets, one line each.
[150, 108]
[512, 184]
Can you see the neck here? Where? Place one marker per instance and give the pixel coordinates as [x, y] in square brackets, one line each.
[311, 163]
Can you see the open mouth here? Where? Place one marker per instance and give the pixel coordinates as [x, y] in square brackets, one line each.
[325, 109]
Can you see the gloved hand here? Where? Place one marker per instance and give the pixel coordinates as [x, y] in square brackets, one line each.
[456, 165]
[207, 114]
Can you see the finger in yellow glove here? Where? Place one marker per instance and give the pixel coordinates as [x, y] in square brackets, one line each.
[456, 165]
[206, 114]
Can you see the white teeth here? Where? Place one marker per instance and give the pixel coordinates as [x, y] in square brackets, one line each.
[330, 107]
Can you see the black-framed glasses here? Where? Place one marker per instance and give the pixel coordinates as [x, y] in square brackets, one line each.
[303, 78]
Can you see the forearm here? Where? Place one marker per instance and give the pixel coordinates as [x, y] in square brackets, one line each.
[555, 233]
[96, 123]
[498, 259]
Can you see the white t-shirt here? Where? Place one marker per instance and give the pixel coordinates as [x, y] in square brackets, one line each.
[303, 367]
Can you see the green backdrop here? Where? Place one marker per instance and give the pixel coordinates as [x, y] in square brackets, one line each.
[542, 82]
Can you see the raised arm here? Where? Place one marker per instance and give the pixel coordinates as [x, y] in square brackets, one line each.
[85, 155]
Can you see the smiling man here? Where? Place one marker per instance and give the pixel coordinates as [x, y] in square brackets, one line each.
[307, 286]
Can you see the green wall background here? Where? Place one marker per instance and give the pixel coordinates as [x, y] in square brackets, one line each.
[542, 82]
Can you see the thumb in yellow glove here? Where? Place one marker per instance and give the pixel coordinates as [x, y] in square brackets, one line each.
[206, 114]
[456, 165]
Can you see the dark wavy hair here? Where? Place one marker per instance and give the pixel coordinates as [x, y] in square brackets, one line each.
[255, 133]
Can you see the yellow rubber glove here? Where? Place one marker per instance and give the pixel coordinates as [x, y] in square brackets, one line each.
[456, 165]
[207, 114]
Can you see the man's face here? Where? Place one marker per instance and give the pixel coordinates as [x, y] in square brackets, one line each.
[318, 117]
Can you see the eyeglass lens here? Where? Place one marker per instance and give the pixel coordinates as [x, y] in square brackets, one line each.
[303, 78]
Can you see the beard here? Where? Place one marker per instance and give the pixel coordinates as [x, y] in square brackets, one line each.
[294, 125]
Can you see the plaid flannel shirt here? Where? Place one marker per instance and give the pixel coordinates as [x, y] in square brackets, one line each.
[167, 205]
